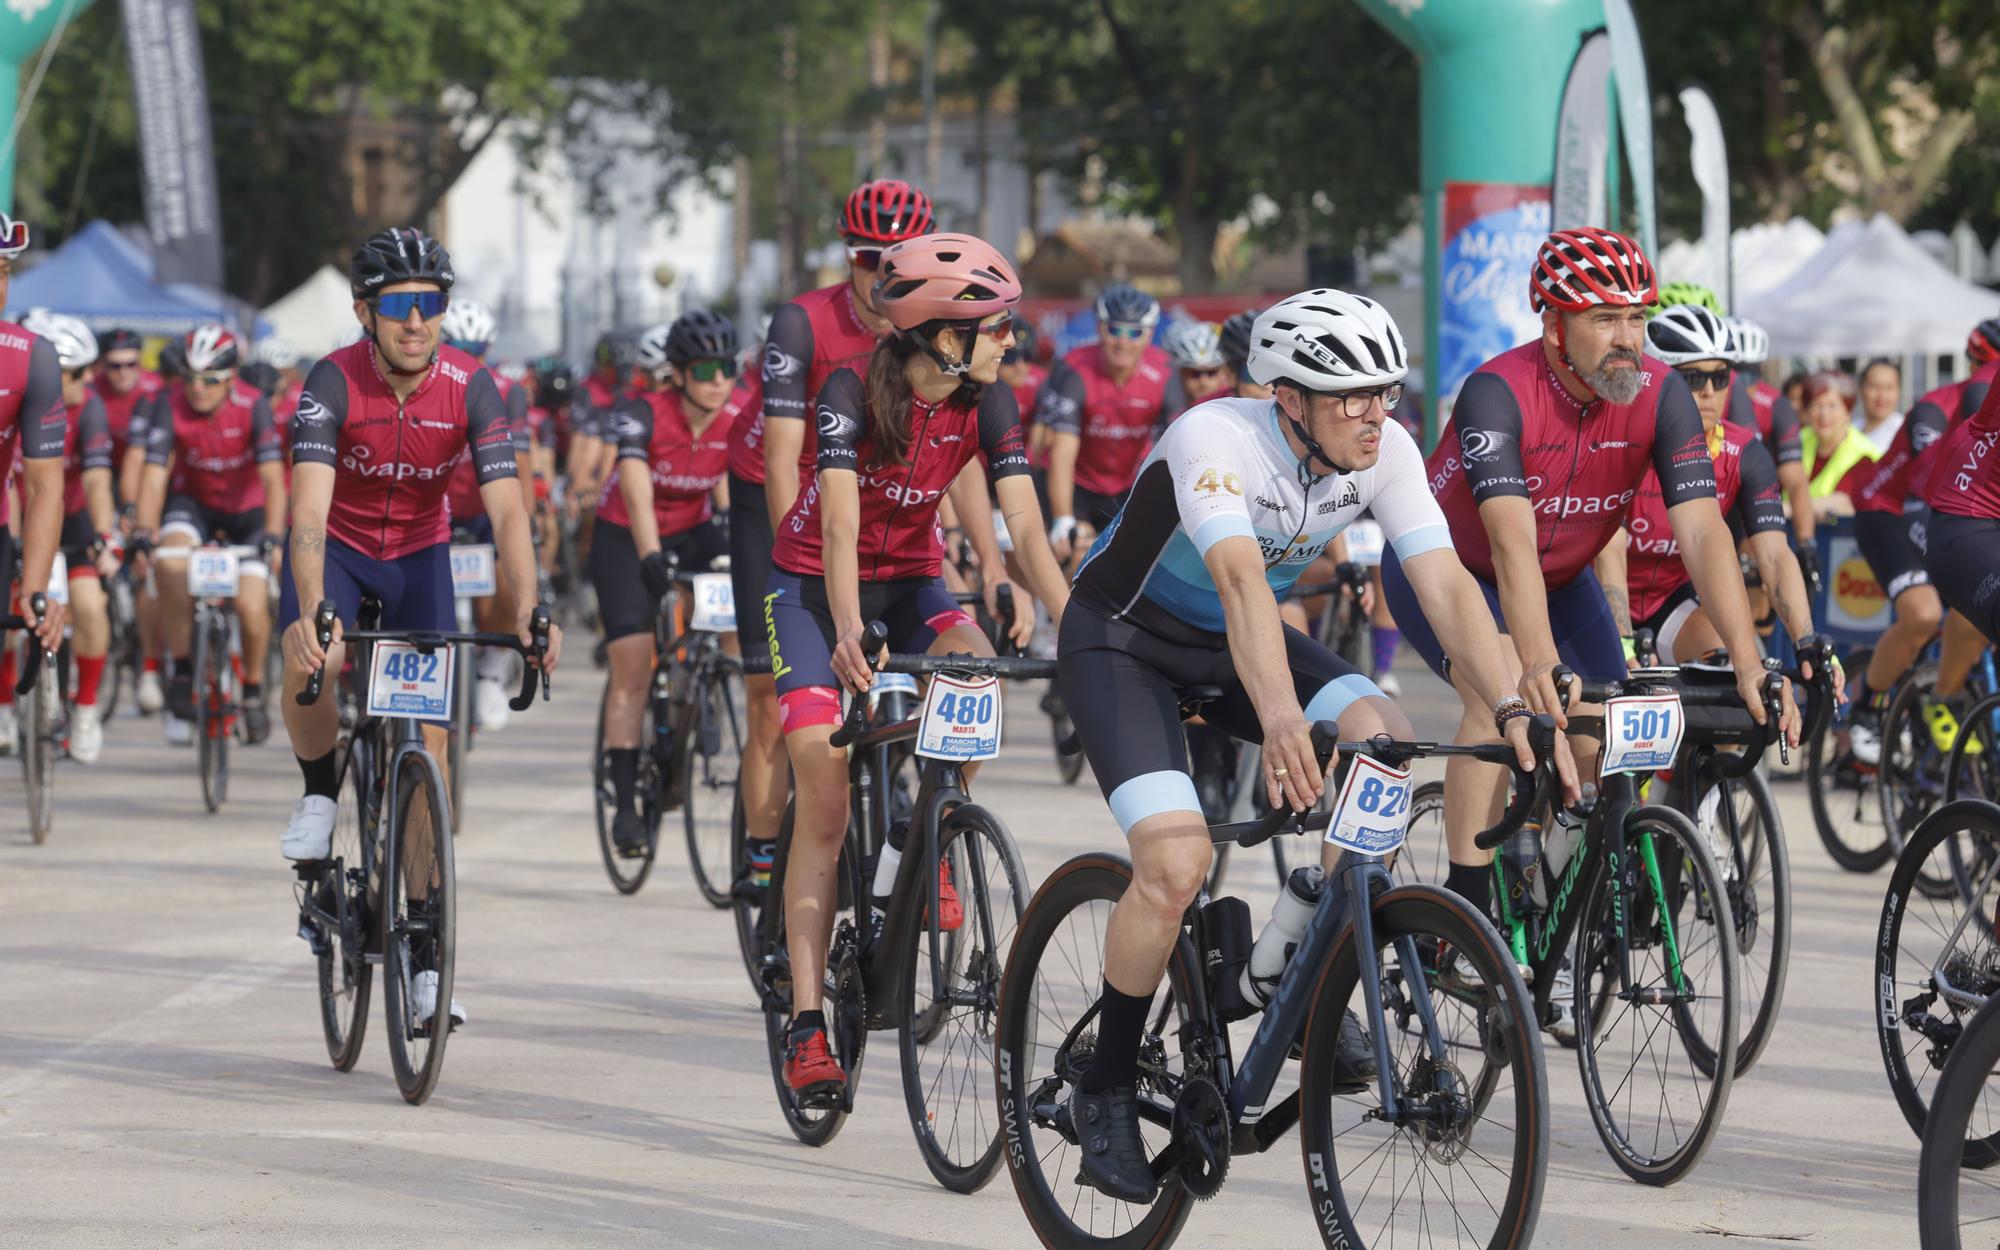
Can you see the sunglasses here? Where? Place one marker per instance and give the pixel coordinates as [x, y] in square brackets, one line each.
[211, 379]
[77, 375]
[865, 256]
[1130, 333]
[996, 329]
[396, 305]
[709, 370]
[1714, 379]
[119, 366]
[1200, 375]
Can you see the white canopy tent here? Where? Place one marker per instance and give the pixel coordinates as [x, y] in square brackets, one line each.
[317, 316]
[1869, 291]
[1762, 256]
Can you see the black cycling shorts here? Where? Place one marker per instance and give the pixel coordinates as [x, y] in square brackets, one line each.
[1093, 509]
[799, 629]
[205, 524]
[1962, 554]
[78, 537]
[624, 605]
[1122, 686]
[1667, 619]
[1888, 541]
[750, 544]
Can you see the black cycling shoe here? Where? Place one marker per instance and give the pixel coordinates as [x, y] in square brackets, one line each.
[1353, 1056]
[180, 696]
[1113, 1155]
[256, 722]
[630, 835]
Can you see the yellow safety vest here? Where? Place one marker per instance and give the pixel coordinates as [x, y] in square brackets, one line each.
[1852, 451]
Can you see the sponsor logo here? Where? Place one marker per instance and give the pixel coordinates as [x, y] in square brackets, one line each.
[453, 372]
[835, 426]
[1010, 1116]
[1611, 444]
[1856, 590]
[1480, 446]
[779, 364]
[310, 410]
[1922, 436]
[1565, 506]
[1279, 505]
[778, 666]
[1656, 546]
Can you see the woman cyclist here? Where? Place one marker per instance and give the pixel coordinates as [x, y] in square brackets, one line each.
[665, 494]
[861, 544]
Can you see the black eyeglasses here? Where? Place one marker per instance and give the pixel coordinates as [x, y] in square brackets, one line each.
[1715, 379]
[1358, 403]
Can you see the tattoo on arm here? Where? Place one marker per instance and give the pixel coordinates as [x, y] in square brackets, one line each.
[309, 538]
[1621, 609]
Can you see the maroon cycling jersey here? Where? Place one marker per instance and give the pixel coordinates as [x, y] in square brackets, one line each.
[1115, 421]
[1964, 474]
[653, 428]
[898, 535]
[810, 337]
[393, 459]
[1746, 486]
[1895, 483]
[1516, 430]
[33, 420]
[1755, 404]
[87, 444]
[1025, 396]
[215, 457]
[120, 406]
[462, 496]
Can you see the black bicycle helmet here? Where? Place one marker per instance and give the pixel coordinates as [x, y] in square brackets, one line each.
[701, 334]
[261, 375]
[1024, 344]
[1125, 304]
[173, 359]
[553, 383]
[119, 340]
[1236, 338]
[399, 254]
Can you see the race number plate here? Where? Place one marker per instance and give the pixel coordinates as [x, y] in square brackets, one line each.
[472, 571]
[1364, 543]
[1641, 733]
[714, 604]
[961, 719]
[211, 573]
[1372, 814]
[403, 681]
[59, 579]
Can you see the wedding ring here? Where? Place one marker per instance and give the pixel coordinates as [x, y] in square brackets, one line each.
[1281, 773]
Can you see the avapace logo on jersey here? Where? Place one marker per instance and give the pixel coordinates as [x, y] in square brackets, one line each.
[1968, 472]
[895, 491]
[1640, 530]
[357, 461]
[1564, 506]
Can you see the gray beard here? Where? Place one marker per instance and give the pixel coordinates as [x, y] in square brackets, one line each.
[1615, 386]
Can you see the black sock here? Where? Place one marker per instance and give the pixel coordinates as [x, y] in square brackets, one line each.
[322, 778]
[623, 762]
[807, 1022]
[1121, 1020]
[253, 692]
[1474, 885]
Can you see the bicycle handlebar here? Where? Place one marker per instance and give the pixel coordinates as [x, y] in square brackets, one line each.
[31, 668]
[876, 636]
[426, 641]
[1570, 688]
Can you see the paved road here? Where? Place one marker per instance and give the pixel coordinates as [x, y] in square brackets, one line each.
[163, 1081]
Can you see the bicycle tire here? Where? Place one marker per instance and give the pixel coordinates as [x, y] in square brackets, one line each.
[1917, 767]
[992, 884]
[743, 908]
[1757, 870]
[1069, 766]
[1024, 1064]
[711, 753]
[418, 1056]
[346, 978]
[1425, 856]
[1904, 987]
[1832, 772]
[1416, 912]
[1688, 874]
[210, 711]
[627, 873]
[1943, 1164]
[36, 746]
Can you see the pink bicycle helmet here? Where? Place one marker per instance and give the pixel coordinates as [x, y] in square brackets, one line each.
[943, 277]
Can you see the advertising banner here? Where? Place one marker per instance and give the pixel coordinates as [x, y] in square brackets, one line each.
[1488, 242]
[176, 151]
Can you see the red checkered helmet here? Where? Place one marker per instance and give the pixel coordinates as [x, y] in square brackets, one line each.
[1588, 267]
[886, 210]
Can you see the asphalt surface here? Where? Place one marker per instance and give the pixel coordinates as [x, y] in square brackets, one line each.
[163, 1081]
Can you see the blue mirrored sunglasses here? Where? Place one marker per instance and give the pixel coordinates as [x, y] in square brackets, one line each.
[396, 306]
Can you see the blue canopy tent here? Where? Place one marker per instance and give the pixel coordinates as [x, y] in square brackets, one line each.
[104, 278]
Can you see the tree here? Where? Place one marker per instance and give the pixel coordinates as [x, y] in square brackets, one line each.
[292, 91]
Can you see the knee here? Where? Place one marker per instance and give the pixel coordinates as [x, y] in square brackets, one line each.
[1920, 611]
[1369, 717]
[1167, 879]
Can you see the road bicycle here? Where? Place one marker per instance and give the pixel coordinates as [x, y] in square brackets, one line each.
[212, 579]
[1958, 1199]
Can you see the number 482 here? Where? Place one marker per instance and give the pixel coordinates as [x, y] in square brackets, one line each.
[410, 666]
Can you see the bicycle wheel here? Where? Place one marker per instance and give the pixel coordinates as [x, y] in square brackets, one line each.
[1425, 855]
[744, 907]
[1054, 975]
[118, 607]
[627, 873]
[1738, 818]
[710, 755]
[346, 890]
[1937, 960]
[1482, 1149]
[1912, 779]
[1958, 1207]
[36, 744]
[211, 707]
[946, 1041]
[458, 740]
[1069, 765]
[1678, 920]
[419, 924]
[1845, 810]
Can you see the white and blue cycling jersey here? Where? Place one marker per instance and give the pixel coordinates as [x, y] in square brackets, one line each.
[1224, 470]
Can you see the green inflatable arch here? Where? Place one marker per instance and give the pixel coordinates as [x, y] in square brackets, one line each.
[20, 38]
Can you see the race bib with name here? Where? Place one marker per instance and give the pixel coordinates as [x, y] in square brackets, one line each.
[473, 575]
[1372, 814]
[1364, 543]
[1642, 733]
[961, 719]
[714, 604]
[211, 573]
[403, 681]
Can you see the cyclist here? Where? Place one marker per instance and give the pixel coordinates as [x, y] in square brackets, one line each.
[1103, 405]
[277, 353]
[665, 495]
[862, 544]
[469, 327]
[32, 425]
[380, 428]
[1537, 467]
[214, 473]
[123, 385]
[1235, 344]
[1644, 557]
[1024, 376]
[1195, 350]
[1962, 548]
[90, 540]
[772, 451]
[1232, 505]
[1838, 456]
[1881, 391]
[150, 695]
[1888, 522]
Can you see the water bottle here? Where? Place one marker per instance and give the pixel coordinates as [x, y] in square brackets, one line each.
[883, 883]
[1565, 834]
[1296, 904]
[1521, 871]
[663, 718]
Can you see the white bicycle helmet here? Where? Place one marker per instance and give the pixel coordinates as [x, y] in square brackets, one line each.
[1689, 332]
[76, 346]
[1749, 344]
[467, 321]
[650, 352]
[211, 348]
[276, 351]
[1327, 340]
[1194, 344]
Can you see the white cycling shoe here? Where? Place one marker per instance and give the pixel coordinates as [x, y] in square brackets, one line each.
[1865, 743]
[151, 697]
[310, 834]
[10, 729]
[179, 732]
[490, 704]
[86, 734]
[1561, 998]
[424, 1000]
